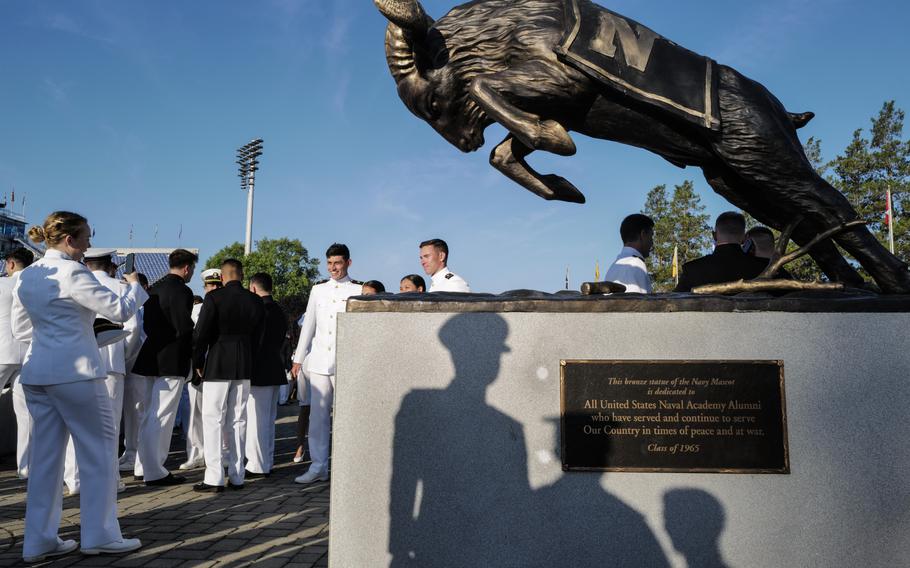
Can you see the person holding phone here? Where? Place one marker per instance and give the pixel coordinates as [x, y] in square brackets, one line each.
[54, 307]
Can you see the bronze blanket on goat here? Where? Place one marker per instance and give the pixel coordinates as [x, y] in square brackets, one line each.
[634, 60]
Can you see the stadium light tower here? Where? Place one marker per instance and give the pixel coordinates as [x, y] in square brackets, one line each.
[247, 159]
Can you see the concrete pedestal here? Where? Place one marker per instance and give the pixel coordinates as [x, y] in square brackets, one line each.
[445, 448]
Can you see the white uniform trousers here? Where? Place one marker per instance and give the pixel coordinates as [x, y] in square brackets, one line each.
[83, 409]
[114, 385]
[115, 389]
[322, 397]
[224, 409]
[23, 428]
[194, 436]
[161, 400]
[134, 389]
[261, 412]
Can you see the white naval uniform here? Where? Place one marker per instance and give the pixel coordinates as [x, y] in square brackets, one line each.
[194, 444]
[133, 391]
[12, 353]
[54, 307]
[113, 359]
[447, 281]
[317, 346]
[629, 269]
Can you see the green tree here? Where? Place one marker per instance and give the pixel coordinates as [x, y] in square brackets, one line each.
[870, 166]
[286, 260]
[813, 150]
[679, 221]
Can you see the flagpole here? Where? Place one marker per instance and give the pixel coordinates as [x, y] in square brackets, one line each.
[890, 220]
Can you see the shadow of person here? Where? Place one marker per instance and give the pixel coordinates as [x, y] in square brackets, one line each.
[460, 494]
[602, 529]
[694, 519]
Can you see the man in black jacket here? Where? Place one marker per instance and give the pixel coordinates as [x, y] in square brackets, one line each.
[229, 326]
[269, 373]
[165, 360]
[728, 262]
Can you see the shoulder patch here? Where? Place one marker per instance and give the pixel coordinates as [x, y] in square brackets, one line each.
[358, 282]
[321, 282]
[449, 275]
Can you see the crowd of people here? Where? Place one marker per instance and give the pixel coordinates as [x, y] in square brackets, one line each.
[86, 351]
[227, 353]
[738, 255]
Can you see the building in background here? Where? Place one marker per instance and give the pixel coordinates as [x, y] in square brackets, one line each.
[12, 232]
[149, 261]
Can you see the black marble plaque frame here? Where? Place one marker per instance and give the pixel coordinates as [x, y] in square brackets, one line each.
[762, 380]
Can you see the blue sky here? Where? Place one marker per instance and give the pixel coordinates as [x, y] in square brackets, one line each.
[131, 112]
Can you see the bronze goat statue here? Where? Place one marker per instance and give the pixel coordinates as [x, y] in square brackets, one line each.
[543, 68]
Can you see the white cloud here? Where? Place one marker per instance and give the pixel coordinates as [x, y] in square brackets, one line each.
[56, 91]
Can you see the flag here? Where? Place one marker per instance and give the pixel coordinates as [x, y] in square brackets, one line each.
[676, 262]
[23, 200]
[597, 271]
[156, 232]
[567, 277]
[180, 232]
[131, 233]
[14, 195]
[93, 232]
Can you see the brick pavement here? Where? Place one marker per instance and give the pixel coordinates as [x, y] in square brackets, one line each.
[272, 522]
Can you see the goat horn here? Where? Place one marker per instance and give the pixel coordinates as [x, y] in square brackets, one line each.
[409, 15]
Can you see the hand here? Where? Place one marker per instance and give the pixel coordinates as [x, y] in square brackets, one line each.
[132, 277]
[199, 373]
[295, 369]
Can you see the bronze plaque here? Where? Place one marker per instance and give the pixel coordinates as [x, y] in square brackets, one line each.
[674, 416]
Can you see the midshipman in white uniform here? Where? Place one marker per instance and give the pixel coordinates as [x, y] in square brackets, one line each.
[55, 304]
[317, 346]
[12, 353]
[434, 255]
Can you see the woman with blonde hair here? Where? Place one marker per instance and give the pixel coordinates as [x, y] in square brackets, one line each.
[55, 304]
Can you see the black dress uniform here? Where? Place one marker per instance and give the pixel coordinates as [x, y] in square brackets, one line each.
[165, 359]
[269, 373]
[727, 263]
[229, 326]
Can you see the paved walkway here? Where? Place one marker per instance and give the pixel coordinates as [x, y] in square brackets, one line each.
[270, 523]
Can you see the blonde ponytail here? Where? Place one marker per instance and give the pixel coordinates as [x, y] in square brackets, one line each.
[57, 227]
[36, 234]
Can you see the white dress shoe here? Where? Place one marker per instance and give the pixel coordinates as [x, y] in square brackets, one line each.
[121, 487]
[298, 459]
[63, 547]
[72, 491]
[194, 464]
[116, 547]
[311, 476]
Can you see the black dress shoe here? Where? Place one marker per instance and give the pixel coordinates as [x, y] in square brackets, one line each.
[203, 487]
[234, 487]
[255, 475]
[169, 479]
